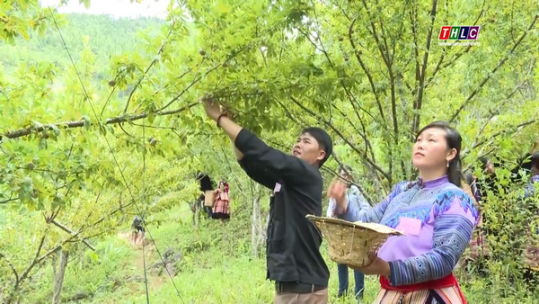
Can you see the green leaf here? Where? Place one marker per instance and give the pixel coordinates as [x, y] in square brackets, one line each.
[86, 3]
[93, 256]
[151, 116]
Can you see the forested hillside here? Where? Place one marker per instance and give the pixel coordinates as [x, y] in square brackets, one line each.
[107, 37]
[118, 132]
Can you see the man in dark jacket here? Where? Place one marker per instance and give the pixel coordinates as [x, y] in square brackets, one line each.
[293, 254]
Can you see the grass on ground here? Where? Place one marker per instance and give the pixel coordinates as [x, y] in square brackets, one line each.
[215, 267]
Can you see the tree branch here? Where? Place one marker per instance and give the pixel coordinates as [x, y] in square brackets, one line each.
[455, 57]
[149, 67]
[288, 114]
[498, 109]
[25, 273]
[195, 80]
[500, 63]
[370, 162]
[368, 146]
[341, 82]
[506, 130]
[11, 267]
[80, 123]
[71, 232]
[9, 200]
[417, 105]
[375, 35]
[413, 20]
[384, 35]
[357, 53]
[389, 66]
[481, 129]
[111, 214]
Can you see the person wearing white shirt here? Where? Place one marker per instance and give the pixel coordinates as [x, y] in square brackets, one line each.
[356, 202]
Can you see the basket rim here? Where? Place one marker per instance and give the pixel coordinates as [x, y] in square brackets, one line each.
[313, 219]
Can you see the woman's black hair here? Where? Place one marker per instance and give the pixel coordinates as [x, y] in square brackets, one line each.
[454, 141]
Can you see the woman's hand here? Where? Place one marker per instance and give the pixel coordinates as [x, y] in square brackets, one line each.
[378, 267]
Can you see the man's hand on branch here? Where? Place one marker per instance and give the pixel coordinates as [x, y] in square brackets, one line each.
[214, 111]
[212, 108]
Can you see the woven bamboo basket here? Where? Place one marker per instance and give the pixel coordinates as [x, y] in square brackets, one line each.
[352, 243]
[209, 198]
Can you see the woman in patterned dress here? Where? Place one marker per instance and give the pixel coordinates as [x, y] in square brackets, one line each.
[435, 214]
[221, 208]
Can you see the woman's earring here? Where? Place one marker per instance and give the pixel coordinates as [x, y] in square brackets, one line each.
[448, 164]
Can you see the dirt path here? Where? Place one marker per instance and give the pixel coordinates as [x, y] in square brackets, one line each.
[154, 281]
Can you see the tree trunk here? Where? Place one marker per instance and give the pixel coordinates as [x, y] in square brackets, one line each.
[58, 272]
[262, 228]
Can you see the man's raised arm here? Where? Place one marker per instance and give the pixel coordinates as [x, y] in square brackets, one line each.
[253, 150]
[237, 153]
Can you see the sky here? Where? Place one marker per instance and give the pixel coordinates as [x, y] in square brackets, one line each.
[116, 8]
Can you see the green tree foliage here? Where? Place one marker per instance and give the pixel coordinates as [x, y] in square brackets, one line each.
[118, 131]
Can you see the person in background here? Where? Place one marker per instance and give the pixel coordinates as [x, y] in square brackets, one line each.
[436, 216]
[529, 189]
[477, 250]
[137, 234]
[205, 185]
[355, 197]
[488, 170]
[530, 199]
[293, 243]
[221, 209]
[487, 221]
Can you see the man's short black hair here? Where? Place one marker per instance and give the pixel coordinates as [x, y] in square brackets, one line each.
[323, 139]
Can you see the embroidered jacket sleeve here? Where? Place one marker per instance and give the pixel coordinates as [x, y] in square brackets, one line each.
[454, 221]
[262, 159]
[364, 212]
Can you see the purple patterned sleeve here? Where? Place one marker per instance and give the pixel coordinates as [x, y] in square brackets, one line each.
[374, 214]
[455, 218]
